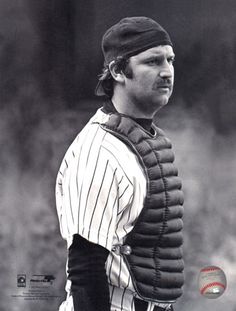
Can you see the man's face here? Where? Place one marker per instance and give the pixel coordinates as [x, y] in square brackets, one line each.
[152, 80]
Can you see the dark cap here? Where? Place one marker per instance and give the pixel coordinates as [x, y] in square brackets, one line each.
[131, 36]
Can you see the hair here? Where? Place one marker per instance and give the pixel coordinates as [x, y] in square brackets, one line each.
[122, 64]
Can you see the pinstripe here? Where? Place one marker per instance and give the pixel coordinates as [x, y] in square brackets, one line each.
[129, 214]
[67, 223]
[118, 214]
[91, 184]
[128, 219]
[102, 217]
[118, 163]
[77, 183]
[117, 226]
[91, 220]
[91, 145]
[109, 273]
[124, 229]
[121, 258]
[110, 223]
[60, 222]
[122, 299]
[70, 197]
[132, 304]
[120, 180]
[86, 167]
[129, 279]
[123, 192]
[112, 293]
[77, 171]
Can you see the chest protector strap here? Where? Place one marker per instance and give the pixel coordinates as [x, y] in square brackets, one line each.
[153, 248]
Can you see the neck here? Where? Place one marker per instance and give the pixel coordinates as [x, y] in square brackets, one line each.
[108, 107]
[126, 106]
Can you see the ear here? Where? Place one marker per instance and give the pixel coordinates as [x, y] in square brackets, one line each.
[116, 73]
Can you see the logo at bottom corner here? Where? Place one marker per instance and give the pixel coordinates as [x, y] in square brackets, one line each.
[42, 280]
[21, 280]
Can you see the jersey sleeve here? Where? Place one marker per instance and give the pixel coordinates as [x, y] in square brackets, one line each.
[96, 190]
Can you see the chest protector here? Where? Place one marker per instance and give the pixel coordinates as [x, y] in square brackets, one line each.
[152, 250]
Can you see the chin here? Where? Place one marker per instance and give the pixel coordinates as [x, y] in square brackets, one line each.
[161, 102]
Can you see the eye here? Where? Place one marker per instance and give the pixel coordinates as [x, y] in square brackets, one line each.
[153, 61]
[171, 59]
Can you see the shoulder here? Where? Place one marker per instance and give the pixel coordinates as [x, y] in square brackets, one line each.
[93, 136]
[93, 144]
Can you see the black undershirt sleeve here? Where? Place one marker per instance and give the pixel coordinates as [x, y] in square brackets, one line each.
[86, 270]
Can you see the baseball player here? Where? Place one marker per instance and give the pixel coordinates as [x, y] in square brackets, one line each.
[118, 194]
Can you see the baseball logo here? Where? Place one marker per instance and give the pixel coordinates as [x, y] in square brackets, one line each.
[212, 282]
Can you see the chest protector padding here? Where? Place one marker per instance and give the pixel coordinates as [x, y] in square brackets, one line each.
[155, 262]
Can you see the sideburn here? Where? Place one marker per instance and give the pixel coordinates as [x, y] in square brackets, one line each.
[128, 72]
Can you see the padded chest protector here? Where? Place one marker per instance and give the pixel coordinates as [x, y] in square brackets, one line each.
[152, 250]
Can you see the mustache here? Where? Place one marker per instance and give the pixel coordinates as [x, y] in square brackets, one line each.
[163, 83]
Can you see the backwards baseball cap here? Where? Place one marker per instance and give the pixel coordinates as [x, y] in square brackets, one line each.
[129, 37]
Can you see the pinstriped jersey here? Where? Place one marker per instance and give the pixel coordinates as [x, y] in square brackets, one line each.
[100, 190]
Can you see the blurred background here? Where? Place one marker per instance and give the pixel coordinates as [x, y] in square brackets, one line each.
[50, 58]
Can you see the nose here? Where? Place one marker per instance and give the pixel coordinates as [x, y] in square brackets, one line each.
[166, 71]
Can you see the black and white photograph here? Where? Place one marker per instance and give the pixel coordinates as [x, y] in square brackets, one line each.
[118, 155]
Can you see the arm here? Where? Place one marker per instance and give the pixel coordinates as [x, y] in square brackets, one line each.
[86, 270]
[95, 189]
